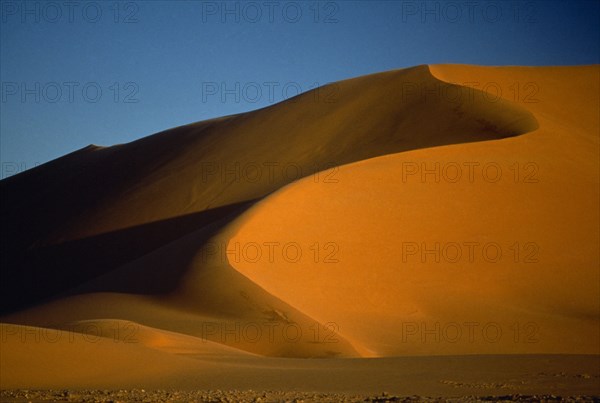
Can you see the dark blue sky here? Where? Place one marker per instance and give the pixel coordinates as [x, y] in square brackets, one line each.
[109, 72]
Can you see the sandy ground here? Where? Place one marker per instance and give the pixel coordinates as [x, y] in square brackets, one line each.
[217, 396]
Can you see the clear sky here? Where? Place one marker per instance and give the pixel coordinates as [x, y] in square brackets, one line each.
[105, 72]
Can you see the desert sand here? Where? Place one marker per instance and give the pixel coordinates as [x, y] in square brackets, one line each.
[427, 231]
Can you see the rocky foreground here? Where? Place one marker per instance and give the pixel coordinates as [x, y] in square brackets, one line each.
[250, 396]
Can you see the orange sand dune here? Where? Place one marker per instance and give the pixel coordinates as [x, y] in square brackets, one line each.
[147, 193]
[436, 210]
[46, 357]
[383, 215]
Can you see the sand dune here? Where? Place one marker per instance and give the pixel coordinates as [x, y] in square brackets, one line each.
[46, 357]
[384, 278]
[161, 187]
[365, 223]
